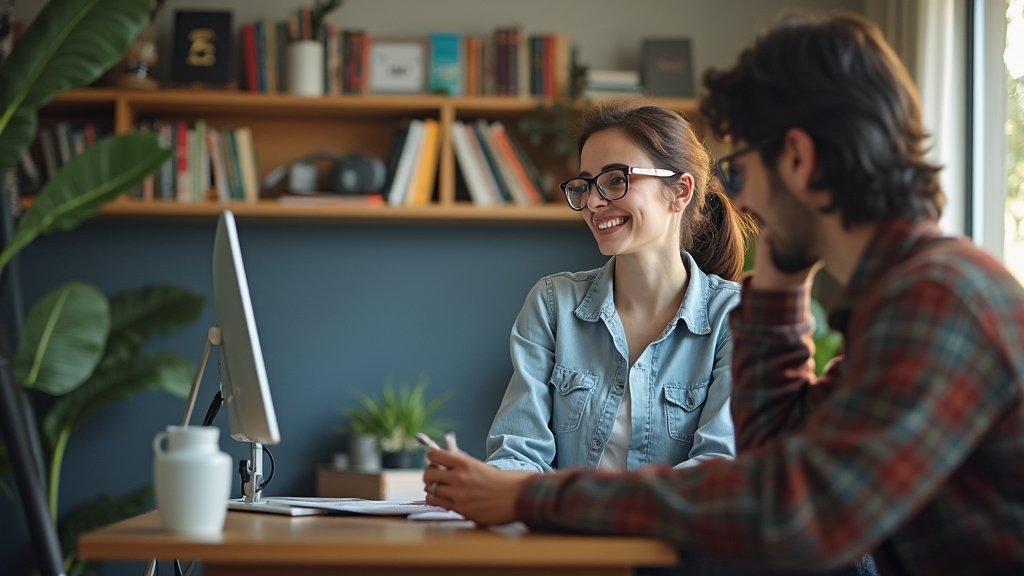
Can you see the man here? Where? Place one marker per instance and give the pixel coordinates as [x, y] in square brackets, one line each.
[911, 447]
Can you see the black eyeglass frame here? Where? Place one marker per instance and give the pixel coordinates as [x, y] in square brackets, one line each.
[733, 190]
[626, 172]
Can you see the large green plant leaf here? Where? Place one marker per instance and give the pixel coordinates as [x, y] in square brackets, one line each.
[112, 166]
[69, 44]
[137, 316]
[164, 371]
[63, 339]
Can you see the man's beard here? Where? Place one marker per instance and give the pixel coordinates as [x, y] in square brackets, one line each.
[794, 253]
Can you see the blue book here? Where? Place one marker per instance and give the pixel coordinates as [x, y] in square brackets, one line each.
[446, 64]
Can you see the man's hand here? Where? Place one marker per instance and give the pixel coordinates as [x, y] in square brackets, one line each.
[479, 492]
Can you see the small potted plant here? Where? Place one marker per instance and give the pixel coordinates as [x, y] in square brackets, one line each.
[395, 417]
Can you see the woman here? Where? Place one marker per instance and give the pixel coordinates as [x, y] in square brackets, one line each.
[629, 364]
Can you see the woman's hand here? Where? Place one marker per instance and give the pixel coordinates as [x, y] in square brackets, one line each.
[481, 493]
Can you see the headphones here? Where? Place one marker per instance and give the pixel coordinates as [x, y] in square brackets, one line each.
[350, 173]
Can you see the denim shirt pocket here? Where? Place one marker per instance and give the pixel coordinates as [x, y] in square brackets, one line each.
[572, 393]
[683, 406]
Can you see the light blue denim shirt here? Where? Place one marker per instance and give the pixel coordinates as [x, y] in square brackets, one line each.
[571, 365]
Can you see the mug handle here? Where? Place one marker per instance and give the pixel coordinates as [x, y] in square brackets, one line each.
[158, 440]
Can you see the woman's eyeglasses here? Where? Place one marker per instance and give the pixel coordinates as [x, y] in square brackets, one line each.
[611, 184]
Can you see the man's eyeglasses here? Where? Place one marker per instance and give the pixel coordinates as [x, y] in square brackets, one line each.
[730, 175]
[612, 184]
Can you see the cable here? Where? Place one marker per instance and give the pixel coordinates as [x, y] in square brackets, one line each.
[211, 412]
[270, 476]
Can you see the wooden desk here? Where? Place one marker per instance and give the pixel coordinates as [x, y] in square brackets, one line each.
[254, 544]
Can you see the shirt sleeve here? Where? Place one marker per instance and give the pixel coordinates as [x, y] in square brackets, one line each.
[715, 436]
[814, 490]
[520, 437]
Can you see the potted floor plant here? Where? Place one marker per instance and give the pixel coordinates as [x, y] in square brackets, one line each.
[395, 417]
[79, 350]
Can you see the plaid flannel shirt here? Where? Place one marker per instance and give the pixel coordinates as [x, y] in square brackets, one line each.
[911, 447]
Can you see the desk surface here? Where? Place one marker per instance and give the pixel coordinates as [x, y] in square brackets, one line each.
[254, 543]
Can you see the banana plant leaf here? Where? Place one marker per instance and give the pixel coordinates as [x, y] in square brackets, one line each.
[164, 371]
[100, 512]
[63, 339]
[69, 45]
[112, 166]
[137, 316]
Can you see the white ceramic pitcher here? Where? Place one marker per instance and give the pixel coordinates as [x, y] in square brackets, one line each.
[192, 477]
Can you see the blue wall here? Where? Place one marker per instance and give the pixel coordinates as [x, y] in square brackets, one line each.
[338, 306]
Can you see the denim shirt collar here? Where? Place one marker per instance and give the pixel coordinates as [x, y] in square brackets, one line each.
[599, 303]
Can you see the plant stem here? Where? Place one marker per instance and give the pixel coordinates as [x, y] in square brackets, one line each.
[55, 463]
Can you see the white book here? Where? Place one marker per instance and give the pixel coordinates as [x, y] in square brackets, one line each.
[515, 188]
[481, 185]
[406, 162]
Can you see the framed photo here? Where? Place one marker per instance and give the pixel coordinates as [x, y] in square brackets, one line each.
[398, 66]
[668, 67]
[202, 47]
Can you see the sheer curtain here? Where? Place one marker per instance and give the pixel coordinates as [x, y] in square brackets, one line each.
[931, 42]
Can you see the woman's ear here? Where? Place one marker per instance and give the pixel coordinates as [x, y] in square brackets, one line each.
[682, 192]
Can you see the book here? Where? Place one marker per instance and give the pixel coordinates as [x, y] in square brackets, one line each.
[446, 63]
[667, 68]
[403, 172]
[501, 165]
[479, 181]
[397, 484]
[421, 185]
[479, 130]
[514, 167]
[247, 164]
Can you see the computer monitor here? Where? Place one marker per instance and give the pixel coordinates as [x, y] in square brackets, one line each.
[243, 377]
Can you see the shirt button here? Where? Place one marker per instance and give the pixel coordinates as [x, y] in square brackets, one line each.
[618, 387]
[596, 443]
[565, 387]
[689, 402]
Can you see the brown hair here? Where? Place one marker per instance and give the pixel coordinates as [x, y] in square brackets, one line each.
[712, 230]
[835, 77]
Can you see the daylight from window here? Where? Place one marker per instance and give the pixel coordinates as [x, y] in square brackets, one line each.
[1013, 57]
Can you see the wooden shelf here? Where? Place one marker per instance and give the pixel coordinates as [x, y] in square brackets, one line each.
[286, 127]
[548, 214]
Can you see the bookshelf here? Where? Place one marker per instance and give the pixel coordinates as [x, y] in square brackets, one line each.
[286, 127]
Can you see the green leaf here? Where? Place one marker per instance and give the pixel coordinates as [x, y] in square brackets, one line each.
[137, 316]
[63, 339]
[164, 371]
[102, 511]
[68, 45]
[112, 166]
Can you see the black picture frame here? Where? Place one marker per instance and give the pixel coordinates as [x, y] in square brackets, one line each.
[202, 51]
[668, 68]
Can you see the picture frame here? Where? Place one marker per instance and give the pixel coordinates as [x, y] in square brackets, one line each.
[668, 68]
[398, 65]
[202, 51]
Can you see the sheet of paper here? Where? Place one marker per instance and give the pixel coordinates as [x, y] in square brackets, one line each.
[370, 507]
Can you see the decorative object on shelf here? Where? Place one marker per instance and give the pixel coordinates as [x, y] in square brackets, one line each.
[398, 65]
[136, 70]
[395, 418]
[668, 67]
[355, 173]
[202, 48]
[305, 68]
[76, 346]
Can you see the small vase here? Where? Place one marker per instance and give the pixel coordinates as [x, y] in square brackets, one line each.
[363, 453]
[192, 478]
[306, 68]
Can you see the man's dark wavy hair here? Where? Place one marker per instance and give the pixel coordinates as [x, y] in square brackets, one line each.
[835, 77]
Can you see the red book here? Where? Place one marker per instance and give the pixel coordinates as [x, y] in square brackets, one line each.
[250, 57]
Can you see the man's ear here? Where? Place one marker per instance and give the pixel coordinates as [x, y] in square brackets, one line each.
[798, 162]
[683, 190]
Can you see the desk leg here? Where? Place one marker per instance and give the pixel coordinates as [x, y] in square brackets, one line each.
[215, 570]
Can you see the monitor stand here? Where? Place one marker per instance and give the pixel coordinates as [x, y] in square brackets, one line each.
[252, 501]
